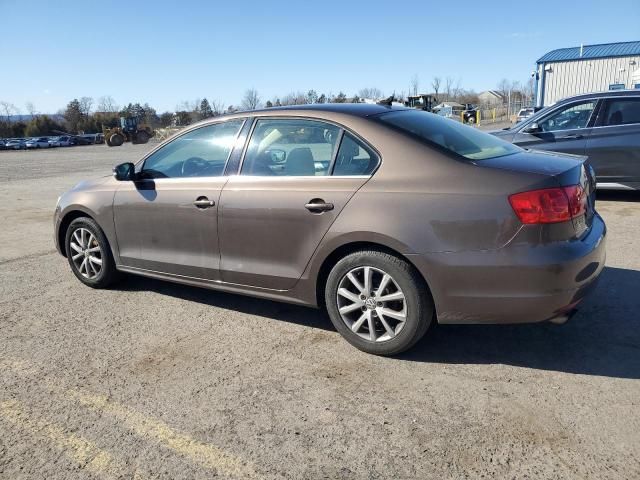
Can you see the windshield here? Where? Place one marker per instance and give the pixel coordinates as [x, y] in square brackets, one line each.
[449, 134]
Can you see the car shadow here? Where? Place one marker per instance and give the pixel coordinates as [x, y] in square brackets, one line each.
[603, 338]
[309, 317]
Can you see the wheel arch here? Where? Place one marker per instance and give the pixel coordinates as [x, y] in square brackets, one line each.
[354, 246]
[66, 220]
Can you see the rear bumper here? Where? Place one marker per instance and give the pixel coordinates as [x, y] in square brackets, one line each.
[519, 283]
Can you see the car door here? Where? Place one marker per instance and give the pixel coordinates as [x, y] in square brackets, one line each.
[564, 129]
[166, 220]
[614, 145]
[275, 212]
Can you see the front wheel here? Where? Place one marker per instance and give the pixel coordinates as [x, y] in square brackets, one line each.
[378, 302]
[89, 254]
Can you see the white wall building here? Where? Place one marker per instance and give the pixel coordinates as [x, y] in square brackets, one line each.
[589, 68]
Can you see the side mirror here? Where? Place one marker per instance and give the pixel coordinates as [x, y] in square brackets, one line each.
[533, 128]
[124, 172]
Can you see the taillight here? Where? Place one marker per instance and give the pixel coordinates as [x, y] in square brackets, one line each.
[549, 205]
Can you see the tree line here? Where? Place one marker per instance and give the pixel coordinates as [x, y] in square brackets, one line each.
[86, 115]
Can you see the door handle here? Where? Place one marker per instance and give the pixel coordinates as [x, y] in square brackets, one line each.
[576, 136]
[317, 205]
[203, 202]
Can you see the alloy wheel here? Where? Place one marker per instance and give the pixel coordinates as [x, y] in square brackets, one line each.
[371, 304]
[86, 253]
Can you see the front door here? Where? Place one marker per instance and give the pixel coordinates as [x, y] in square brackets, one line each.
[166, 220]
[295, 179]
[564, 130]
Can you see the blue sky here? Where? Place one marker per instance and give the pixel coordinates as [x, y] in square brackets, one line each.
[165, 52]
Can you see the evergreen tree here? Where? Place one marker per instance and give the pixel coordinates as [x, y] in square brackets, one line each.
[205, 109]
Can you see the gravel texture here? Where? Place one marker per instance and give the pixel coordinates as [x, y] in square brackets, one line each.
[155, 380]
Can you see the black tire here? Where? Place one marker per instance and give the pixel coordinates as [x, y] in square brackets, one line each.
[142, 137]
[115, 140]
[418, 302]
[108, 274]
[471, 120]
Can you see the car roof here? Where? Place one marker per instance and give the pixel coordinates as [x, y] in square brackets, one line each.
[355, 109]
[608, 93]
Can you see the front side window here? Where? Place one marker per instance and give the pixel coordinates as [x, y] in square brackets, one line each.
[354, 158]
[202, 152]
[290, 147]
[449, 134]
[621, 112]
[568, 118]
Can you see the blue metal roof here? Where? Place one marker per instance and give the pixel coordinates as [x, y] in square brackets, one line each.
[604, 50]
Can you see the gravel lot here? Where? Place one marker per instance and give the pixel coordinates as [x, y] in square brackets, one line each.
[155, 380]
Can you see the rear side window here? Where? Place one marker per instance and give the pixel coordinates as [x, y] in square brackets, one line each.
[354, 158]
[290, 148]
[621, 112]
[449, 134]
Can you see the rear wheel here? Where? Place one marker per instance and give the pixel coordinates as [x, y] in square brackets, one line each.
[378, 302]
[89, 254]
[471, 120]
[115, 140]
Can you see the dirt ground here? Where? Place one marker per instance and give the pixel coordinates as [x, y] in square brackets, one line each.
[155, 380]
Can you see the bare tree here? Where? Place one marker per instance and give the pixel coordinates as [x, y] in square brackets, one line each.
[8, 109]
[504, 87]
[31, 109]
[294, 98]
[435, 84]
[251, 99]
[373, 93]
[448, 88]
[217, 107]
[85, 105]
[415, 85]
[107, 104]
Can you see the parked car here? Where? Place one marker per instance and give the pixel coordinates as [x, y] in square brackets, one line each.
[42, 142]
[80, 140]
[54, 142]
[604, 126]
[412, 218]
[16, 144]
[525, 113]
[64, 141]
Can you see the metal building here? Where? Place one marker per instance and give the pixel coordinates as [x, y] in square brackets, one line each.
[587, 68]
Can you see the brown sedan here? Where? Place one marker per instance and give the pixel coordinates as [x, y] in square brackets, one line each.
[390, 218]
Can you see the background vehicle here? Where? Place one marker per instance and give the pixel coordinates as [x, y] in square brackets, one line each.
[470, 114]
[421, 102]
[524, 113]
[16, 144]
[353, 207]
[130, 130]
[604, 126]
[41, 142]
[64, 141]
[54, 142]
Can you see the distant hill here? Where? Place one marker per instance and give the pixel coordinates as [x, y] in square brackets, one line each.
[27, 118]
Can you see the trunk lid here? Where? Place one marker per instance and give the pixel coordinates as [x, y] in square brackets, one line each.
[561, 168]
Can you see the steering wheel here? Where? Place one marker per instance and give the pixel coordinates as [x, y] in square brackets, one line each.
[193, 166]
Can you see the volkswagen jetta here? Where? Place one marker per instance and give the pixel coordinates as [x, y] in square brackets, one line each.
[390, 218]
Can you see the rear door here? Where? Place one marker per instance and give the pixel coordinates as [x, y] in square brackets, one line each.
[296, 177]
[564, 129]
[614, 145]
